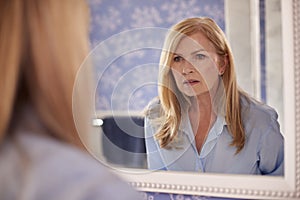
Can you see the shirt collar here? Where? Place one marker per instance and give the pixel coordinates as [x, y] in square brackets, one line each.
[215, 131]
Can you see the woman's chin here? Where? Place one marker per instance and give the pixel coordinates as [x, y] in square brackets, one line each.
[194, 93]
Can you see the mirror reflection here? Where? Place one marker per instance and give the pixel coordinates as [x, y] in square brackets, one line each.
[120, 103]
[201, 120]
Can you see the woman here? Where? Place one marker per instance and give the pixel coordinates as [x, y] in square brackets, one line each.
[41, 156]
[201, 120]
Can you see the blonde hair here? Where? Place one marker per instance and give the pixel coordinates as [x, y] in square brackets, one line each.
[170, 96]
[43, 43]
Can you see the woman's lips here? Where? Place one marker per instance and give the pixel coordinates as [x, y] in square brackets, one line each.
[191, 82]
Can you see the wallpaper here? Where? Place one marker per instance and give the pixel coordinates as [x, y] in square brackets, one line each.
[165, 196]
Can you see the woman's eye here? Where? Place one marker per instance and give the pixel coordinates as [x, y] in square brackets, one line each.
[200, 56]
[177, 59]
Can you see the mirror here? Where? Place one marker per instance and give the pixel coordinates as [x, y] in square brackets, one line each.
[220, 185]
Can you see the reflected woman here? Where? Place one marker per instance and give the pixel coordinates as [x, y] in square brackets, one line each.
[201, 120]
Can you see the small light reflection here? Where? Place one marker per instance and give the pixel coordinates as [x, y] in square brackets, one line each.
[97, 122]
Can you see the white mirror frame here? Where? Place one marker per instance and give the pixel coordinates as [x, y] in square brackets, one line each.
[245, 186]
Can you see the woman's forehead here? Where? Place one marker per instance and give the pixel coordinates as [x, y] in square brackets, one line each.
[193, 43]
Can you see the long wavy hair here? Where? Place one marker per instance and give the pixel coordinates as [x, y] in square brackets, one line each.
[43, 44]
[169, 95]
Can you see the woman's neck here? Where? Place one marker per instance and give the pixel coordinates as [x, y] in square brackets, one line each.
[201, 104]
[202, 117]
[202, 114]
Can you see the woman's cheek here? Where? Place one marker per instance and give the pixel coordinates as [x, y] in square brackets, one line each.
[210, 75]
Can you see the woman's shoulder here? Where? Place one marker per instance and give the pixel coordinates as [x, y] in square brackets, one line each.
[55, 167]
[258, 111]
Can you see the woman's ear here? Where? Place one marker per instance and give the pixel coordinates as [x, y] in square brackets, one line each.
[223, 64]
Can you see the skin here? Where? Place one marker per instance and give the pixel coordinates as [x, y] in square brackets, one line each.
[196, 68]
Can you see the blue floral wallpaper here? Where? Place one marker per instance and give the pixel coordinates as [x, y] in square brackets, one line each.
[165, 196]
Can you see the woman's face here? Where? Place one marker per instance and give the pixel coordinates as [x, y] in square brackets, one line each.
[195, 65]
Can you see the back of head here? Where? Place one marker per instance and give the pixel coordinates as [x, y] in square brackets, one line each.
[43, 44]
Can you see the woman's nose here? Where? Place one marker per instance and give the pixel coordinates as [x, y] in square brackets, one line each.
[187, 68]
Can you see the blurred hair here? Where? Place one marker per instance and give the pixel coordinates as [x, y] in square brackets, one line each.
[43, 43]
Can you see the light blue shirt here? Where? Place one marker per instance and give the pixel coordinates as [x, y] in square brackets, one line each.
[35, 166]
[263, 152]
